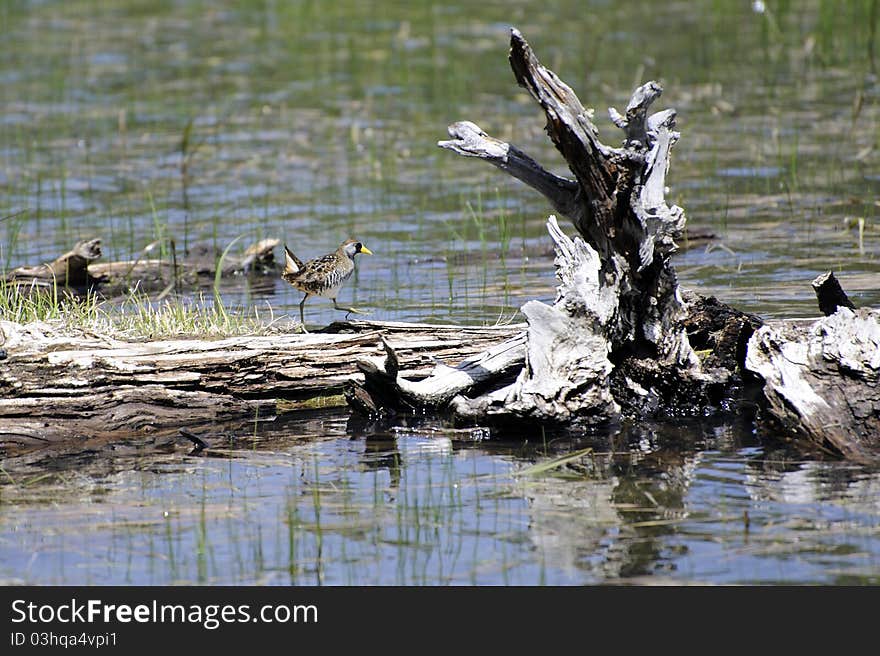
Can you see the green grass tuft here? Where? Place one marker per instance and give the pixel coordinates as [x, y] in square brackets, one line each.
[136, 317]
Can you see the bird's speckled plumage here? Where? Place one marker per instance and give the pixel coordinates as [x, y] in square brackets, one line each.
[323, 276]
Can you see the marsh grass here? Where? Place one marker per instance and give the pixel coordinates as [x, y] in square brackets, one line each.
[27, 304]
[490, 240]
[136, 317]
[14, 223]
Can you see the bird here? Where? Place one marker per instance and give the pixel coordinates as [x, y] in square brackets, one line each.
[324, 275]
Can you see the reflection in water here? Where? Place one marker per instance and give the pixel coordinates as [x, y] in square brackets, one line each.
[305, 500]
[809, 482]
[380, 453]
[576, 527]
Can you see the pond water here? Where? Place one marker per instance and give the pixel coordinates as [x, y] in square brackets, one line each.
[313, 122]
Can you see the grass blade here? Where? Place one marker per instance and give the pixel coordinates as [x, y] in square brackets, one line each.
[554, 463]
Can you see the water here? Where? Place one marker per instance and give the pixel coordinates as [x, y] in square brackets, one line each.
[313, 500]
[313, 122]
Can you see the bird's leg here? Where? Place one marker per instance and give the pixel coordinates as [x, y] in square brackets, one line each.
[301, 317]
[348, 310]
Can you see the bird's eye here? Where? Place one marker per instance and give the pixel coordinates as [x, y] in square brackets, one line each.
[358, 246]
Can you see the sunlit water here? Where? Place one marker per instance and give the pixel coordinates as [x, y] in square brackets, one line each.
[314, 501]
[313, 122]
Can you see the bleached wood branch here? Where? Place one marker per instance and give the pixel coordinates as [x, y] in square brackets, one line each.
[469, 140]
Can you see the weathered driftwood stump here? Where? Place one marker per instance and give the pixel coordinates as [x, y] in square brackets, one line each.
[621, 338]
[616, 339]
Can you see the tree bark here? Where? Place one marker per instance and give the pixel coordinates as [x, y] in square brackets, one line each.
[56, 387]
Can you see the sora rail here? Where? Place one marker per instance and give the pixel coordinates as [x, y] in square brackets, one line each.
[323, 276]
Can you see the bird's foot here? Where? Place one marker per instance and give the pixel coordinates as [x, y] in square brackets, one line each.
[353, 311]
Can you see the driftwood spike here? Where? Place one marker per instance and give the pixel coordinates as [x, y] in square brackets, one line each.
[633, 123]
[469, 140]
[830, 294]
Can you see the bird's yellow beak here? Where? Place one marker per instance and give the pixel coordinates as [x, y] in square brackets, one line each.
[365, 250]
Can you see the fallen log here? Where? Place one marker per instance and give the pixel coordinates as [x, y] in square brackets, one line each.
[57, 387]
[79, 270]
[69, 270]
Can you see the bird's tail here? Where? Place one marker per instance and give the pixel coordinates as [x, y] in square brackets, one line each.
[292, 264]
